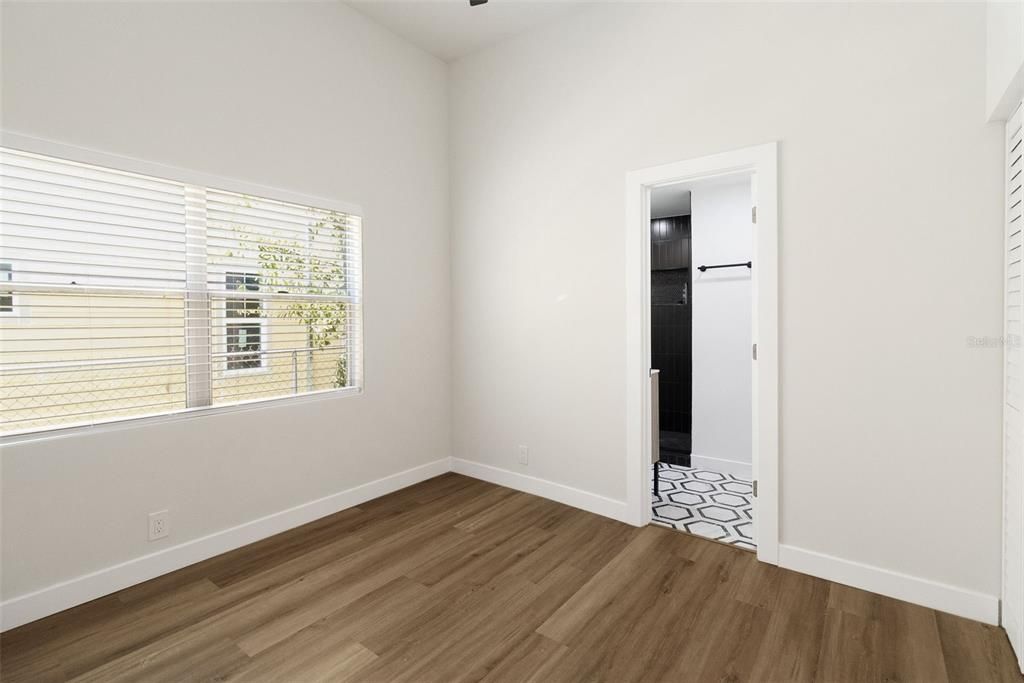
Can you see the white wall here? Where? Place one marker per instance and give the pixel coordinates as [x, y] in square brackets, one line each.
[722, 323]
[309, 97]
[1005, 49]
[890, 234]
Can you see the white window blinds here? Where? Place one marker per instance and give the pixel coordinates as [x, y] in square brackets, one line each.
[125, 295]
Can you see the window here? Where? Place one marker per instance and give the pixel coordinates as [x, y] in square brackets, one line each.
[6, 297]
[244, 324]
[142, 296]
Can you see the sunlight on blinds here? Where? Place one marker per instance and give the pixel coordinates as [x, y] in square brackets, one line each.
[126, 295]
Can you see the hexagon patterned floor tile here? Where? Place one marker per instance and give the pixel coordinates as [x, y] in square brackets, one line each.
[705, 503]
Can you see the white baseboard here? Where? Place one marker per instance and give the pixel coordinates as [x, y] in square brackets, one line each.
[743, 470]
[52, 599]
[939, 596]
[577, 498]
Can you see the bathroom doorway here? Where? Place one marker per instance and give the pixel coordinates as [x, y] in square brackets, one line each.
[722, 273]
[701, 341]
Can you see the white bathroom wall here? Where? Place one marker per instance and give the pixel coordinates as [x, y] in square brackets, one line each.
[722, 326]
[308, 97]
[889, 242]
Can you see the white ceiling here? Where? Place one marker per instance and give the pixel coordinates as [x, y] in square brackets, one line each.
[675, 199]
[450, 29]
[670, 200]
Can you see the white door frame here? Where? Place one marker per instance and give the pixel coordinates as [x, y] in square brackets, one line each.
[762, 161]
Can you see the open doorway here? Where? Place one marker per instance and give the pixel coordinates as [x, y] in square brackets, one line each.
[751, 173]
[701, 344]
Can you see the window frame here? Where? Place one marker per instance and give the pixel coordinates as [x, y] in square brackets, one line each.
[356, 345]
[15, 307]
[260, 321]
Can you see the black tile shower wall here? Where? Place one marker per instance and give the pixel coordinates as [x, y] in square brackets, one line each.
[671, 320]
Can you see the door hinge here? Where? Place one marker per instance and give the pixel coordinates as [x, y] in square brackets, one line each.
[755, 488]
[753, 214]
[754, 351]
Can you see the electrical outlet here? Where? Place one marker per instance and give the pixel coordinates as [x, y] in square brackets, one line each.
[159, 525]
[524, 455]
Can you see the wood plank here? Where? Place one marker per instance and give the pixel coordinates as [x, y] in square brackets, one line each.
[911, 645]
[628, 568]
[854, 601]
[313, 655]
[793, 635]
[975, 652]
[850, 649]
[193, 660]
[528, 661]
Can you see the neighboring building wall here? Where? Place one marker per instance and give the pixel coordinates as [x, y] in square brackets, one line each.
[63, 388]
[45, 384]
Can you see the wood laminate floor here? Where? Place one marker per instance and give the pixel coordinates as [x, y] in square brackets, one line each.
[459, 580]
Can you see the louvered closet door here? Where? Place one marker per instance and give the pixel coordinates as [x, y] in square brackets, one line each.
[1013, 410]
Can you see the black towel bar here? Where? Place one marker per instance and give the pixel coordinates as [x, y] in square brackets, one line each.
[748, 264]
